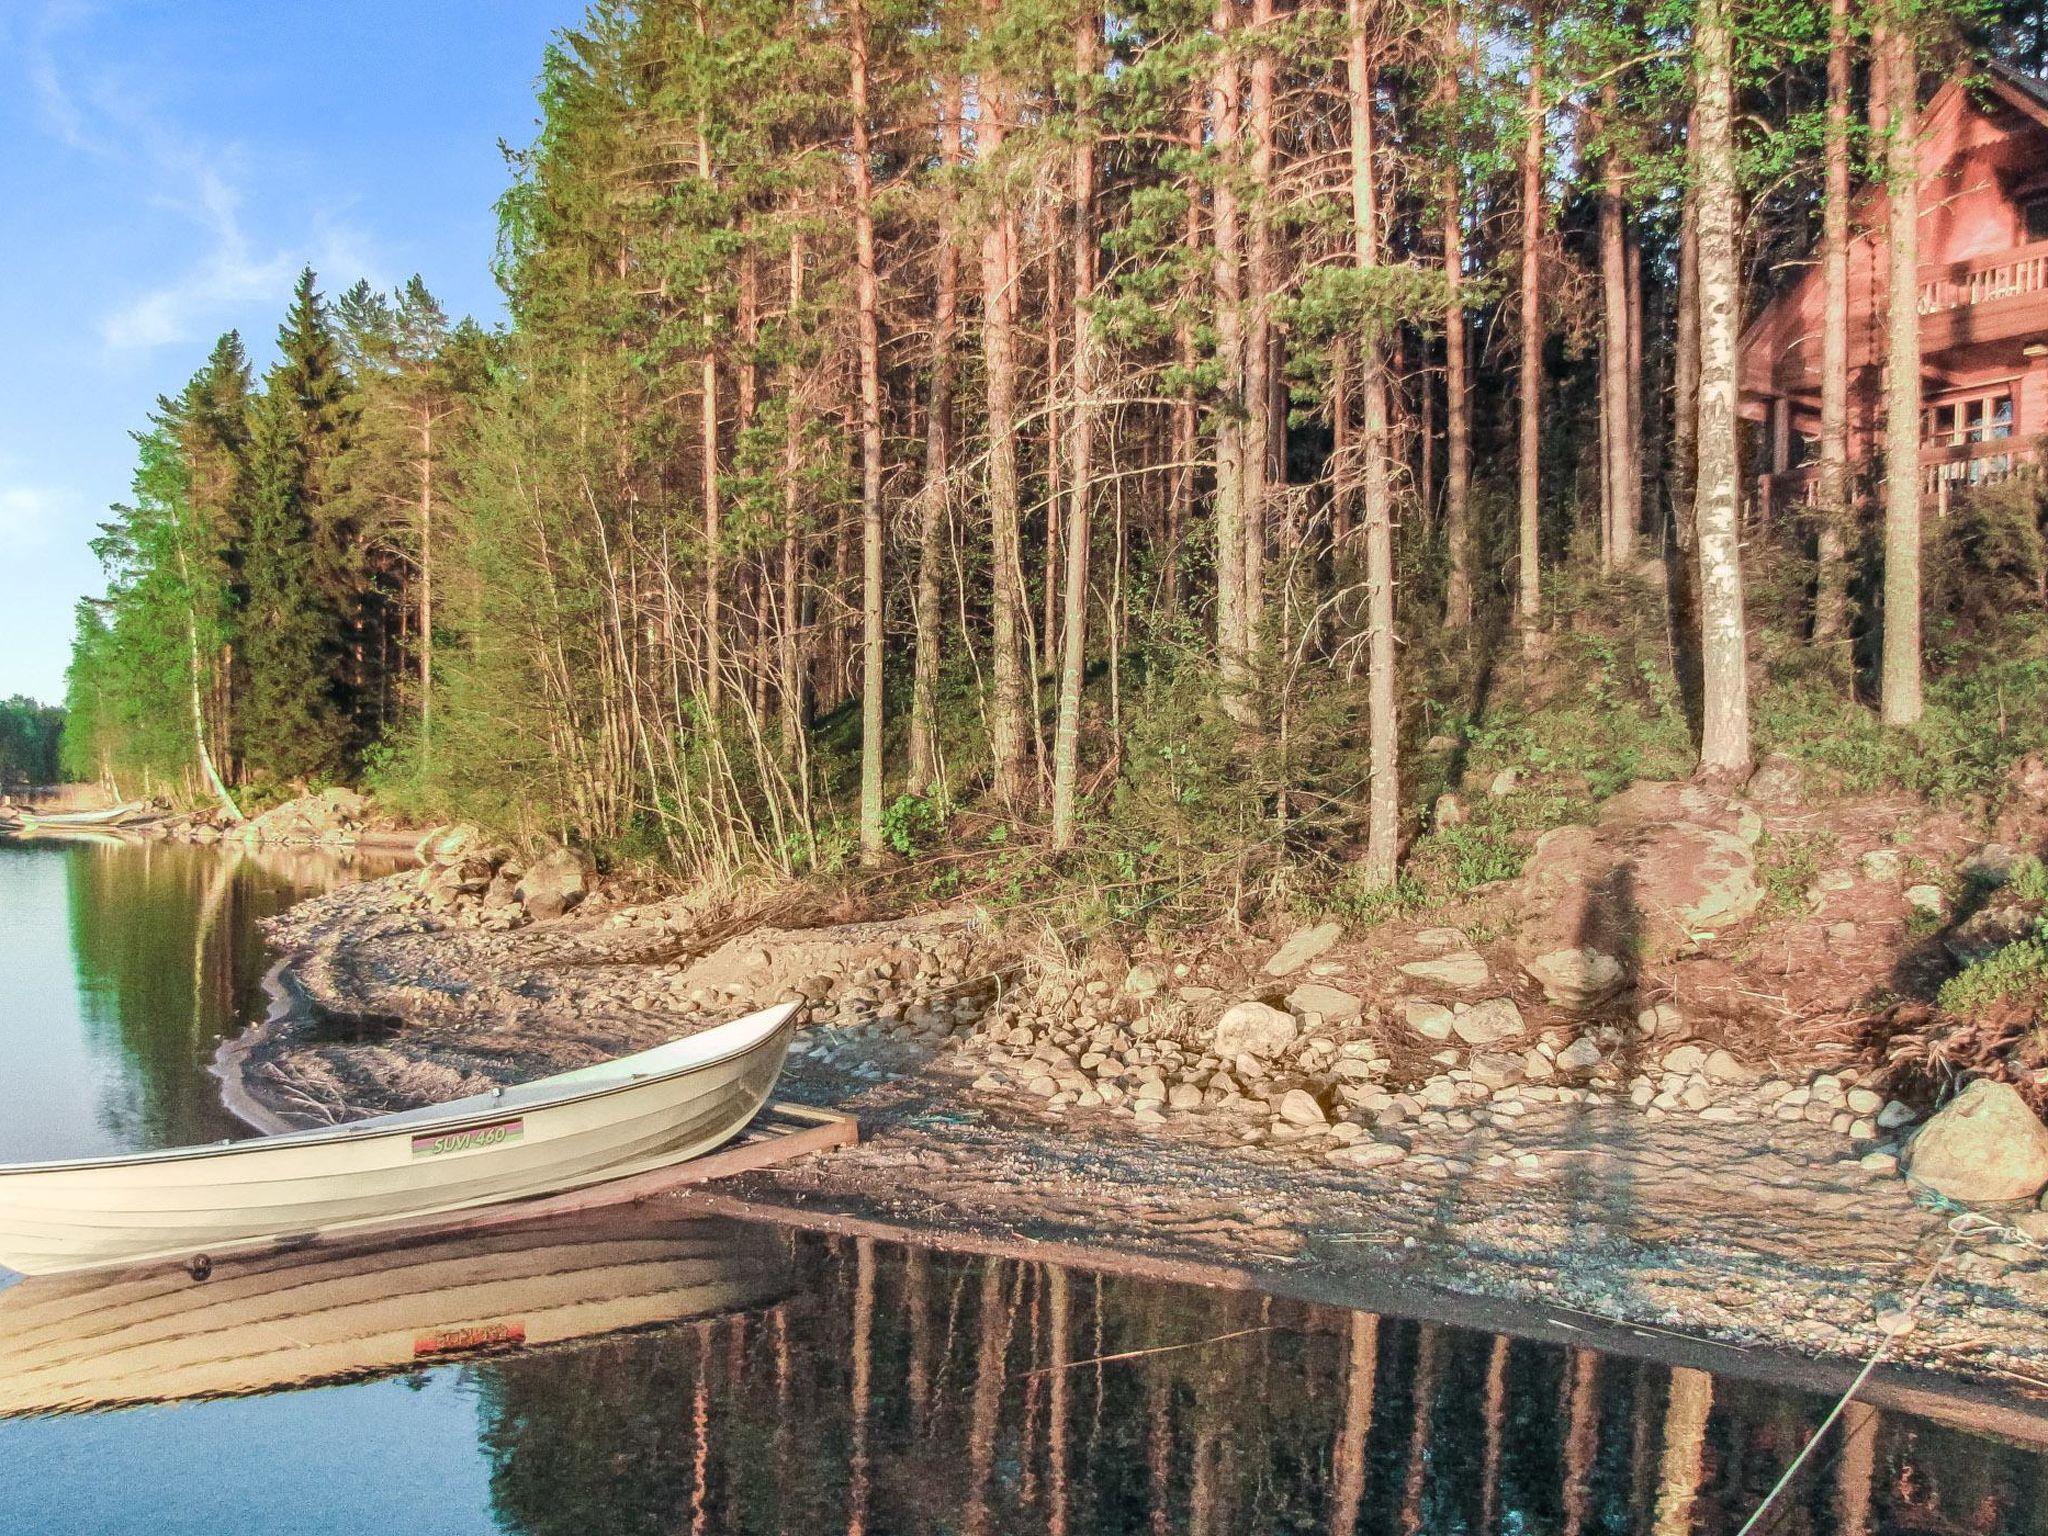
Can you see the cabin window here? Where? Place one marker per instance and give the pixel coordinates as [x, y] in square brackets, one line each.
[1969, 419]
[2034, 218]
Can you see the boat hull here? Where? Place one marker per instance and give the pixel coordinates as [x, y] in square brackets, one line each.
[395, 1169]
[363, 1308]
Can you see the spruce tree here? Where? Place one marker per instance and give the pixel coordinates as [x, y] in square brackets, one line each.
[293, 729]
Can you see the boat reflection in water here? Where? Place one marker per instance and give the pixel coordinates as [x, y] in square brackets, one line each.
[354, 1311]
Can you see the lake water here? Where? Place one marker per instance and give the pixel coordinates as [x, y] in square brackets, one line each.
[638, 1371]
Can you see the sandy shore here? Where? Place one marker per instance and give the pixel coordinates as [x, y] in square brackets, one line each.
[1760, 1234]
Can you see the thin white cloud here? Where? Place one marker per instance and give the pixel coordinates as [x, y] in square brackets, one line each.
[108, 116]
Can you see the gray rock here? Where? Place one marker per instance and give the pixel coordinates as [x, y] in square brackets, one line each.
[1685, 1059]
[1142, 981]
[1335, 1006]
[1582, 1055]
[1299, 1107]
[1994, 864]
[1659, 1019]
[1896, 1113]
[555, 883]
[1365, 1154]
[1578, 978]
[1254, 1029]
[1303, 947]
[1984, 1145]
[1462, 971]
[1495, 1070]
[1780, 782]
[1441, 940]
[1928, 900]
[1490, 1022]
[1724, 1068]
[1430, 1020]
[1882, 864]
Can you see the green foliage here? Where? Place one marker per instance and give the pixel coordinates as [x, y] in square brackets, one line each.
[2017, 972]
[1787, 866]
[908, 822]
[1984, 713]
[30, 734]
[291, 725]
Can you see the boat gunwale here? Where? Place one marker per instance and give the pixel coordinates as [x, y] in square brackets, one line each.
[370, 1129]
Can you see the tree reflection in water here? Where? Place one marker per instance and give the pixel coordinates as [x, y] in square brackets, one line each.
[917, 1392]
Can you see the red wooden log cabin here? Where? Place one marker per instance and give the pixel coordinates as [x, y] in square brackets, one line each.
[1983, 308]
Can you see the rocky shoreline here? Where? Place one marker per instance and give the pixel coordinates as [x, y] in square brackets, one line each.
[1443, 1105]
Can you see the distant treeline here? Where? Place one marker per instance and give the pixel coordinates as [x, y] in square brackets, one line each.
[270, 602]
[29, 737]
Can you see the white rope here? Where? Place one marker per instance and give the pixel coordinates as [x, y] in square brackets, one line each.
[1965, 1223]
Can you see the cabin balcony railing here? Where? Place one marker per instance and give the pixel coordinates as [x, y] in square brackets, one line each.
[1995, 275]
[1944, 470]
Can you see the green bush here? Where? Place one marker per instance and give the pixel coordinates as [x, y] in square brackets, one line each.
[2019, 970]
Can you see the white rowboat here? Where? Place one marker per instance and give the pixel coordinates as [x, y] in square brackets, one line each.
[576, 1129]
[57, 821]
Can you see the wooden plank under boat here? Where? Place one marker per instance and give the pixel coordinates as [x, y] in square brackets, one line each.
[370, 1307]
[614, 1121]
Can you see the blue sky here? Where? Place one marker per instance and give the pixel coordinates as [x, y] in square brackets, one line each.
[169, 165]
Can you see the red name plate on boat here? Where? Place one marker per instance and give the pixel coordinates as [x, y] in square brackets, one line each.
[470, 1139]
[458, 1341]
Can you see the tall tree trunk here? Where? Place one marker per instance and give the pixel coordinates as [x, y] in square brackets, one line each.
[1180, 506]
[714, 554]
[1632, 406]
[868, 304]
[1457, 397]
[204, 753]
[1623, 513]
[1683, 473]
[1899, 700]
[1261, 286]
[792, 664]
[1831, 587]
[1066, 746]
[1529, 587]
[938, 460]
[1376, 510]
[1233, 473]
[426, 586]
[1724, 736]
[1007, 737]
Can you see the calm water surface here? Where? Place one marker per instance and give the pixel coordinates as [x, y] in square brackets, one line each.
[641, 1372]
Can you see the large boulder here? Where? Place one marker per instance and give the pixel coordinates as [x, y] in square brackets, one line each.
[1983, 1146]
[1664, 866]
[1254, 1029]
[449, 844]
[553, 884]
[1694, 879]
